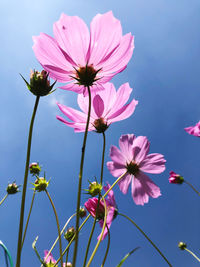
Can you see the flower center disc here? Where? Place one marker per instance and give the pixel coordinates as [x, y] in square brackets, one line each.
[86, 75]
[132, 168]
[100, 125]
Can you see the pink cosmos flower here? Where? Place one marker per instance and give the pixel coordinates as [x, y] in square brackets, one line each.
[194, 130]
[81, 58]
[91, 206]
[108, 106]
[175, 178]
[133, 159]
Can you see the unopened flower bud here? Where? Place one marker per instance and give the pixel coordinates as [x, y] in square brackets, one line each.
[69, 234]
[41, 184]
[39, 83]
[12, 189]
[34, 168]
[175, 178]
[68, 264]
[182, 245]
[94, 189]
[82, 212]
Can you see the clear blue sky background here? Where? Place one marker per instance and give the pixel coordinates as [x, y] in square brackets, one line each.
[164, 73]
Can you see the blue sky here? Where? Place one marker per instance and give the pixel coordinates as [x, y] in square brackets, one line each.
[164, 75]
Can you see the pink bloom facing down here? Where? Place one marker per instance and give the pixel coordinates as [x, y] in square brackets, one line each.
[103, 50]
[91, 206]
[194, 130]
[108, 106]
[50, 258]
[133, 158]
[175, 178]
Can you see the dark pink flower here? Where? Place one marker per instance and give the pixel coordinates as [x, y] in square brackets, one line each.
[81, 58]
[175, 178]
[91, 206]
[108, 106]
[194, 130]
[133, 158]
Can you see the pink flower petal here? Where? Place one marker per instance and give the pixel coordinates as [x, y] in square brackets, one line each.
[117, 156]
[149, 186]
[111, 211]
[73, 114]
[153, 163]
[125, 144]
[73, 37]
[104, 29]
[98, 105]
[194, 130]
[139, 194]
[80, 127]
[124, 183]
[116, 169]
[140, 148]
[110, 196]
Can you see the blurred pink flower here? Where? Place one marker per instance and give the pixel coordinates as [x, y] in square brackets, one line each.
[91, 206]
[81, 58]
[133, 158]
[175, 178]
[194, 130]
[50, 258]
[108, 106]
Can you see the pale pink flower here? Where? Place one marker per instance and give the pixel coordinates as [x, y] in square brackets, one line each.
[133, 159]
[194, 130]
[108, 106]
[91, 206]
[81, 58]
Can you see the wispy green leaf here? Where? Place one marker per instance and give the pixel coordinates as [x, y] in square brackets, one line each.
[126, 256]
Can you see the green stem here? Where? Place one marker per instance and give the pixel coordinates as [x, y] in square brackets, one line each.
[29, 214]
[192, 254]
[7, 252]
[101, 236]
[125, 216]
[118, 179]
[58, 236]
[4, 198]
[67, 254]
[72, 239]
[89, 240]
[107, 249]
[58, 226]
[94, 223]
[103, 155]
[192, 187]
[80, 180]
[19, 245]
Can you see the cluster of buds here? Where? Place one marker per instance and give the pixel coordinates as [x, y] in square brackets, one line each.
[34, 168]
[70, 233]
[94, 189]
[39, 83]
[12, 188]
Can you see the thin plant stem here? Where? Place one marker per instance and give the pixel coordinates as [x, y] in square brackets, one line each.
[116, 181]
[80, 180]
[81, 226]
[58, 236]
[58, 226]
[67, 254]
[7, 252]
[94, 223]
[19, 245]
[89, 240]
[101, 236]
[103, 155]
[191, 186]
[29, 214]
[141, 231]
[3, 199]
[107, 249]
[192, 254]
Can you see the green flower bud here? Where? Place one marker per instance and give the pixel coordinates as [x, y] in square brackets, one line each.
[12, 189]
[39, 83]
[82, 212]
[34, 168]
[69, 234]
[94, 189]
[41, 184]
